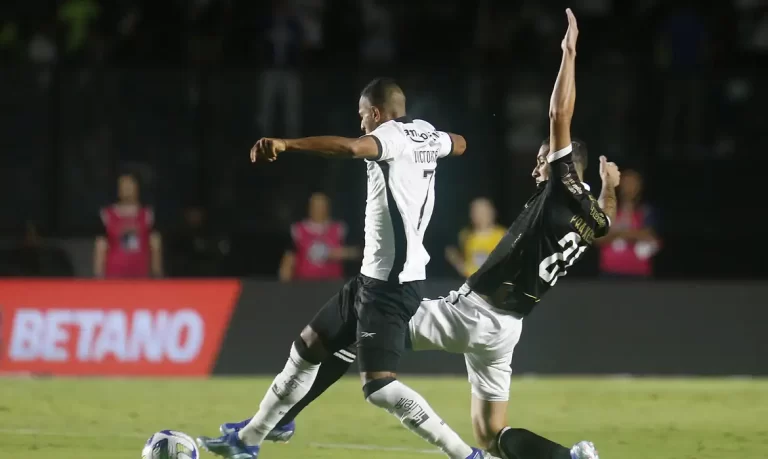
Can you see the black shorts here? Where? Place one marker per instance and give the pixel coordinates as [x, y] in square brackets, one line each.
[371, 315]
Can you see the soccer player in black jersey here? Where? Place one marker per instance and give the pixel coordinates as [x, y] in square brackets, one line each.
[483, 319]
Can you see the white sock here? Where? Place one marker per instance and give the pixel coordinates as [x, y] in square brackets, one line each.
[288, 388]
[418, 417]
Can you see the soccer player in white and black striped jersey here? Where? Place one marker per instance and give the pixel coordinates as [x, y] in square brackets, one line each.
[483, 319]
[373, 309]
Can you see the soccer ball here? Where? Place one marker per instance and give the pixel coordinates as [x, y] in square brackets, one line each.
[170, 444]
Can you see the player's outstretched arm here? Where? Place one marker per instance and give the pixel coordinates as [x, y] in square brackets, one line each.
[564, 94]
[267, 149]
[459, 144]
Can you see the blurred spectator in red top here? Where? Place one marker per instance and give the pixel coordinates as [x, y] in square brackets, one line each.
[131, 248]
[629, 247]
[318, 250]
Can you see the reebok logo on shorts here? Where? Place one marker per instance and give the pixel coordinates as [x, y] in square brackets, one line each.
[367, 335]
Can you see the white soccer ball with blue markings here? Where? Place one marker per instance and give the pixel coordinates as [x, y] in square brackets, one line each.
[170, 444]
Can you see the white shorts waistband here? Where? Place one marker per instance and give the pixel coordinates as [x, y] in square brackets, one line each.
[480, 300]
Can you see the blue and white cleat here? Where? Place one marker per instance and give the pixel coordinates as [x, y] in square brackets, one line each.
[478, 453]
[584, 450]
[229, 447]
[229, 427]
[280, 434]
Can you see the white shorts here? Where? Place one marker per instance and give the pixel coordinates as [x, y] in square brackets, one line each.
[464, 323]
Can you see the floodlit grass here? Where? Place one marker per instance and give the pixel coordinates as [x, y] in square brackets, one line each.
[626, 418]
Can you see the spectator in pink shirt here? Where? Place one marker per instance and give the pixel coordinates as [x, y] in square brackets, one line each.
[628, 249]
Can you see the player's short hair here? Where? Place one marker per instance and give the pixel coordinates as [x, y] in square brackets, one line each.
[579, 151]
[380, 91]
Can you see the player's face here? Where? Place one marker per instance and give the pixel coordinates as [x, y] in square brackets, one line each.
[127, 188]
[631, 185]
[370, 116]
[482, 214]
[541, 171]
[319, 207]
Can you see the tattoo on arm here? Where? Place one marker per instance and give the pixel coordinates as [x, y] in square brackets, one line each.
[607, 201]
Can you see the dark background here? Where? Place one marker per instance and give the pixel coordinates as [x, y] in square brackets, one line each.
[668, 328]
[170, 90]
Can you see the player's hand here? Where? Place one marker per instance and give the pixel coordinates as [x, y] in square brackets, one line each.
[453, 256]
[267, 149]
[569, 42]
[609, 172]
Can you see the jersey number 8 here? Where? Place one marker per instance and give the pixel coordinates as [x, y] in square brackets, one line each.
[556, 264]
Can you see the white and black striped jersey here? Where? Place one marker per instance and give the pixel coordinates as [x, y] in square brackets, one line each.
[401, 197]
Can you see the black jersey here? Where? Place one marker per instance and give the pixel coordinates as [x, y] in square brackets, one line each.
[558, 223]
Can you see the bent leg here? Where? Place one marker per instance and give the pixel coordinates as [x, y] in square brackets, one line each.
[383, 314]
[488, 419]
[331, 370]
[332, 328]
[489, 422]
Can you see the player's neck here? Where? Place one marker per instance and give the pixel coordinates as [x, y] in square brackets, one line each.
[394, 115]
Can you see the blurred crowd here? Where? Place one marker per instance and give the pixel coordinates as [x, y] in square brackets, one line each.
[289, 33]
[167, 96]
[130, 246]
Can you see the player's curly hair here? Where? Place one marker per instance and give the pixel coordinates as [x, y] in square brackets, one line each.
[579, 151]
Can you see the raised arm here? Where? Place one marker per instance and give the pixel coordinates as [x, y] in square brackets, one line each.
[337, 147]
[564, 94]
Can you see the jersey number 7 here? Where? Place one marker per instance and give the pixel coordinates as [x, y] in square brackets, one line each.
[556, 264]
[429, 173]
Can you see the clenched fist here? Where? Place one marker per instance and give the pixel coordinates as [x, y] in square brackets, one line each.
[267, 149]
[609, 172]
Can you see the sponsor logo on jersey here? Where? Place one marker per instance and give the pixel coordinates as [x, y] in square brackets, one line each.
[421, 136]
[131, 328]
[597, 215]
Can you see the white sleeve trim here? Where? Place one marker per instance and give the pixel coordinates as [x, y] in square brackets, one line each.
[552, 157]
[446, 144]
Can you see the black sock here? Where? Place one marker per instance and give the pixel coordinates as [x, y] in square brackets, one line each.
[331, 370]
[524, 444]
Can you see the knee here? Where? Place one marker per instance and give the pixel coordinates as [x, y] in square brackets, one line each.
[487, 439]
[310, 347]
[372, 391]
[487, 432]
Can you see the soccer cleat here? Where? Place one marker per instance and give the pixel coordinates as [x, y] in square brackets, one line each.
[229, 427]
[280, 434]
[584, 450]
[478, 453]
[229, 447]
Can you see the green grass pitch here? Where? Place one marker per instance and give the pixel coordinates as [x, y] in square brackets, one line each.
[626, 418]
